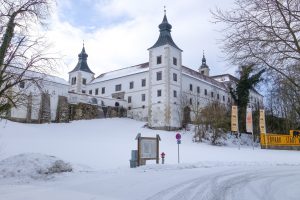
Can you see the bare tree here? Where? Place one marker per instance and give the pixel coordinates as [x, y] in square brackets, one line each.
[21, 50]
[283, 108]
[264, 32]
[216, 116]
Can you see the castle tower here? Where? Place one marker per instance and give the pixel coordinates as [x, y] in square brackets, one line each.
[204, 69]
[81, 74]
[165, 75]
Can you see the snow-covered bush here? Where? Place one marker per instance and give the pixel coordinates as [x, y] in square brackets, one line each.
[32, 166]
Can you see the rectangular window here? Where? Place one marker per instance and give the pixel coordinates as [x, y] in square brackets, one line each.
[129, 99]
[205, 92]
[174, 61]
[103, 90]
[84, 81]
[90, 91]
[143, 82]
[223, 98]
[83, 91]
[143, 97]
[22, 84]
[73, 81]
[158, 93]
[175, 93]
[96, 91]
[198, 89]
[191, 101]
[218, 96]
[131, 84]
[212, 94]
[158, 76]
[191, 87]
[118, 87]
[158, 60]
[174, 77]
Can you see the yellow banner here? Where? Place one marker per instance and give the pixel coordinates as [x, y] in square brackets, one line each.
[234, 119]
[279, 140]
[249, 121]
[262, 121]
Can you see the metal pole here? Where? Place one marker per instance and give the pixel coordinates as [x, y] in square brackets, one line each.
[178, 155]
[252, 140]
[239, 139]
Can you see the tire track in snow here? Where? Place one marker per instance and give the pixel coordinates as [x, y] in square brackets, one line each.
[242, 184]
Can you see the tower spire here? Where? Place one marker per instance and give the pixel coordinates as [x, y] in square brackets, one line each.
[82, 62]
[165, 33]
[203, 60]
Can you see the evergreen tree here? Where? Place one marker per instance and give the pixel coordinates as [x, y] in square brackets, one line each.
[248, 80]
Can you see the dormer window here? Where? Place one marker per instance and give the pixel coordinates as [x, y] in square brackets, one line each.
[84, 81]
[158, 60]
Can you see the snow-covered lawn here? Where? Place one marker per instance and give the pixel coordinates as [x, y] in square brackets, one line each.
[99, 153]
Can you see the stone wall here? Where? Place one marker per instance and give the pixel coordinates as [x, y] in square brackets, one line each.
[83, 111]
[62, 112]
[89, 111]
[45, 111]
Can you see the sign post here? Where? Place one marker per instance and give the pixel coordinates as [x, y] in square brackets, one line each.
[235, 122]
[249, 124]
[178, 138]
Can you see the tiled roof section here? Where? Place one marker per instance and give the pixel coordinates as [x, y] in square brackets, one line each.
[165, 35]
[144, 67]
[200, 76]
[82, 63]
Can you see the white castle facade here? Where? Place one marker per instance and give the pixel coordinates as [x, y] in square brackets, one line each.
[152, 91]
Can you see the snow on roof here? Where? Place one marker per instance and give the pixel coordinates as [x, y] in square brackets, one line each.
[207, 79]
[38, 75]
[122, 72]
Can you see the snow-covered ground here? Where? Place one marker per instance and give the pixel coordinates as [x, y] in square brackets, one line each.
[98, 153]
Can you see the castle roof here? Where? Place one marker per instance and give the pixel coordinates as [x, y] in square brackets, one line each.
[82, 63]
[165, 35]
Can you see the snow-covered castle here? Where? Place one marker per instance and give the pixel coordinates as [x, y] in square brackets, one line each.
[154, 91]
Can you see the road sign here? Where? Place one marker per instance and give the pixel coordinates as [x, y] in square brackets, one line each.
[178, 136]
[178, 141]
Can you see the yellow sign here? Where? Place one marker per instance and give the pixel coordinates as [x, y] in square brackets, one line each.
[234, 119]
[280, 139]
[249, 121]
[262, 121]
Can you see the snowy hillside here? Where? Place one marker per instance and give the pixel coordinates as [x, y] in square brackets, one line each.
[107, 144]
[98, 152]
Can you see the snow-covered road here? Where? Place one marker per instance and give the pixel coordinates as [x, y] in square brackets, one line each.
[160, 183]
[238, 184]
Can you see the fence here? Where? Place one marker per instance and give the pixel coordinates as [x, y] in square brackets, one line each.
[281, 141]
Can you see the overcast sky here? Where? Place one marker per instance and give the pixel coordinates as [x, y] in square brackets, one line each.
[117, 33]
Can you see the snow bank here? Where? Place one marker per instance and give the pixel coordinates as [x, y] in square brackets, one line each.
[32, 166]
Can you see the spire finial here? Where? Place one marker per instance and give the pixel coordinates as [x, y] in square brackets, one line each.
[203, 59]
[165, 11]
[83, 43]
